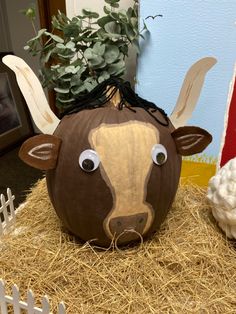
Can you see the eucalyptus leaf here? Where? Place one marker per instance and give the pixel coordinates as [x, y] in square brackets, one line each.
[129, 13]
[87, 40]
[68, 56]
[62, 17]
[61, 90]
[76, 80]
[106, 10]
[90, 83]
[47, 56]
[55, 37]
[112, 1]
[65, 101]
[55, 22]
[115, 5]
[90, 14]
[112, 27]
[76, 90]
[99, 48]
[60, 46]
[70, 45]
[104, 20]
[134, 22]
[56, 66]
[103, 76]
[77, 62]
[99, 66]
[65, 79]
[124, 50]
[129, 32]
[63, 75]
[115, 16]
[70, 69]
[96, 61]
[112, 54]
[40, 33]
[72, 30]
[116, 67]
[88, 53]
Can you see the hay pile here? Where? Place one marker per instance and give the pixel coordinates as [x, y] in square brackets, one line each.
[189, 267]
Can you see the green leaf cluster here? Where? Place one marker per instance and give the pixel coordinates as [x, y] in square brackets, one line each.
[83, 51]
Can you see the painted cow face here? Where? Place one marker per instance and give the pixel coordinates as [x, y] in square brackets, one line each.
[115, 176]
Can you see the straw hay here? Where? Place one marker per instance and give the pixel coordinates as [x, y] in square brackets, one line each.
[188, 267]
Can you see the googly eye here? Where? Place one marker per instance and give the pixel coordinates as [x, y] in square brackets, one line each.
[159, 154]
[89, 160]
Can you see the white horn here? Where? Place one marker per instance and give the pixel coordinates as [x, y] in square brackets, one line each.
[190, 91]
[33, 93]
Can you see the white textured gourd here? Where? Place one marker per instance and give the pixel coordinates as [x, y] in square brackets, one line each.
[222, 194]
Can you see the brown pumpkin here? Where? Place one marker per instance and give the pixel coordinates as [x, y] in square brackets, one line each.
[117, 171]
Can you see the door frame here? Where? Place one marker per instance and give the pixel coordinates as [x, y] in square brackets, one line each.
[48, 8]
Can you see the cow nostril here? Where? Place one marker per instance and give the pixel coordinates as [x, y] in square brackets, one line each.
[128, 228]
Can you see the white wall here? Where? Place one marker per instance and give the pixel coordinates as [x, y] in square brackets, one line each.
[74, 7]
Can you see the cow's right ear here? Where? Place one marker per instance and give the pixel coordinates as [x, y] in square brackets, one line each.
[41, 151]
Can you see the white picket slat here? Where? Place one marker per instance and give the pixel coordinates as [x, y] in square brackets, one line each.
[45, 305]
[30, 302]
[3, 304]
[4, 209]
[16, 299]
[61, 308]
[11, 204]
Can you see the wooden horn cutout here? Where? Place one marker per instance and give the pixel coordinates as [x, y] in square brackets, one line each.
[190, 91]
[33, 93]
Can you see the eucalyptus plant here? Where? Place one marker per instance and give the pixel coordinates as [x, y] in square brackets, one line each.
[83, 51]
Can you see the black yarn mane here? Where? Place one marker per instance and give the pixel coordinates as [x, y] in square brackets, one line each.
[104, 92]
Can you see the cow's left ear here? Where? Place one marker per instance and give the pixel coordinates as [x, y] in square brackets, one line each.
[41, 151]
[191, 140]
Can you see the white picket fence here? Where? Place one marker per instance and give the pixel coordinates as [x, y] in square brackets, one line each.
[9, 214]
[29, 305]
[7, 209]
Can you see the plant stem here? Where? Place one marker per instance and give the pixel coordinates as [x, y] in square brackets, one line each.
[34, 28]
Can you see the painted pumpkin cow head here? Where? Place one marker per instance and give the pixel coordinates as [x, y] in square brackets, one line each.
[113, 173]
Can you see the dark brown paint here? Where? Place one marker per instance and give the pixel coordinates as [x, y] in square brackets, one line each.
[41, 151]
[191, 140]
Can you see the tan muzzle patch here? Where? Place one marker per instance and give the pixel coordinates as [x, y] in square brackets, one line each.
[125, 153]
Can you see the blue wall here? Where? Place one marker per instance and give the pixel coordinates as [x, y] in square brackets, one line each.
[188, 31]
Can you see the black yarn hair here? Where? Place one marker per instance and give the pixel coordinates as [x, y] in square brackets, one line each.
[104, 92]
